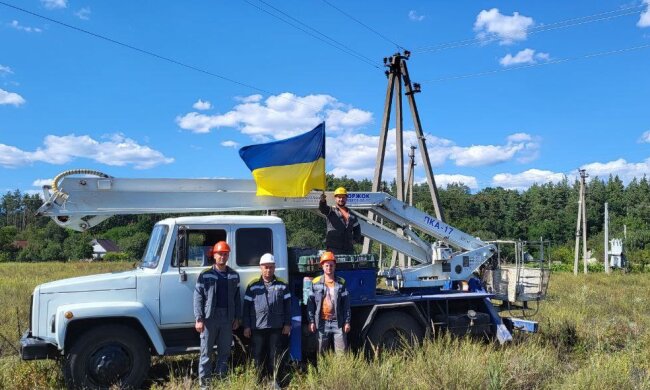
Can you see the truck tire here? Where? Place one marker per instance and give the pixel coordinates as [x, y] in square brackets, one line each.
[392, 329]
[105, 356]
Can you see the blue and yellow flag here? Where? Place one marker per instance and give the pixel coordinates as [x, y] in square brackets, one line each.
[288, 168]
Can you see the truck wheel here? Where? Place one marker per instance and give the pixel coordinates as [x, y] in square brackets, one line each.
[105, 356]
[391, 330]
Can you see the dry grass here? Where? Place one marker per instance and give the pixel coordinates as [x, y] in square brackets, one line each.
[595, 334]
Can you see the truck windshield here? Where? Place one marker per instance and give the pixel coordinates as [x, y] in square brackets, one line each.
[155, 246]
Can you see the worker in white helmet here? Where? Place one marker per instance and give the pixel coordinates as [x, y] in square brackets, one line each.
[267, 315]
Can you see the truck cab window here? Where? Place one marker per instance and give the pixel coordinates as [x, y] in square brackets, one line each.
[155, 246]
[252, 243]
[199, 247]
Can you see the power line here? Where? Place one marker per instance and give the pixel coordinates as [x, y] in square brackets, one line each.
[543, 28]
[552, 62]
[152, 54]
[364, 25]
[323, 37]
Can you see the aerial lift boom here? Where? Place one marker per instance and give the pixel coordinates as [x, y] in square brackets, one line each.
[80, 203]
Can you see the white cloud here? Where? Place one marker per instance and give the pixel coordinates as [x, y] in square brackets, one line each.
[54, 4]
[249, 99]
[626, 171]
[413, 15]
[338, 119]
[12, 98]
[361, 163]
[520, 146]
[230, 144]
[4, 70]
[644, 19]
[278, 117]
[11, 156]
[14, 24]
[645, 137]
[202, 105]
[507, 29]
[349, 151]
[117, 151]
[83, 13]
[523, 180]
[526, 56]
[42, 182]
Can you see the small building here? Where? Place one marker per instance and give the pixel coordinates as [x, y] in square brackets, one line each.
[102, 247]
[20, 244]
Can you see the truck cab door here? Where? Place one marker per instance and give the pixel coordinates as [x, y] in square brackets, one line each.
[176, 290]
[251, 242]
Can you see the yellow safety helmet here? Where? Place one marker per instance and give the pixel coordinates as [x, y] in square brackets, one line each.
[340, 191]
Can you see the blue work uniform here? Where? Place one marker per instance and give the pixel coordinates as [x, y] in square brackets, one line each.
[267, 308]
[217, 303]
[330, 329]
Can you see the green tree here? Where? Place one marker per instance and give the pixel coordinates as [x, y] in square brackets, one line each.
[77, 246]
[134, 245]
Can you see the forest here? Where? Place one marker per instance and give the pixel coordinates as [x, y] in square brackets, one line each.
[546, 210]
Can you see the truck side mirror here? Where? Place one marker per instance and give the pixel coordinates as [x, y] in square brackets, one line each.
[181, 251]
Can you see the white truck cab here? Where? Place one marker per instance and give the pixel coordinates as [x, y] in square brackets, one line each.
[153, 302]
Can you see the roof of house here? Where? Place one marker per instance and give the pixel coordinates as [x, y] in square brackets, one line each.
[108, 245]
[22, 244]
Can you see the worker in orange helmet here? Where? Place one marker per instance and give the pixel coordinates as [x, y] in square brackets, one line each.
[217, 311]
[328, 307]
[343, 228]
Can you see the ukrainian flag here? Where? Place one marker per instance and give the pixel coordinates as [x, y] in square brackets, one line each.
[288, 168]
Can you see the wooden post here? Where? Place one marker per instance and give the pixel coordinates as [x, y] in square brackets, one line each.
[606, 243]
[381, 150]
[410, 93]
[583, 176]
[577, 249]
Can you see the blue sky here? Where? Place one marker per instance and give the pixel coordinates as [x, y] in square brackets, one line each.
[580, 97]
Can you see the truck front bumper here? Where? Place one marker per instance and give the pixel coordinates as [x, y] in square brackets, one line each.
[32, 348]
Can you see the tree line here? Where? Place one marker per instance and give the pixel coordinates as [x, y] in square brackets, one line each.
[543, 210]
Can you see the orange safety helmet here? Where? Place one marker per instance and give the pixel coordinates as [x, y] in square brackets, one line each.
[327, 256]
[221, 247]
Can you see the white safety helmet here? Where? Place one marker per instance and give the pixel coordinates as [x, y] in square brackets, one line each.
[267, 258]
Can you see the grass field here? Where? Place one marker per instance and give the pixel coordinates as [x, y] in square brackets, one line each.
[595, 334]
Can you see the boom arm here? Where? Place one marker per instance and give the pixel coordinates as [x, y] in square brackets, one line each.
[83, 202]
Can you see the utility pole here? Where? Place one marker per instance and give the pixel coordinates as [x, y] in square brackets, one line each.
[397, 74]
[606, 246]
[410, 176]
[582, 217]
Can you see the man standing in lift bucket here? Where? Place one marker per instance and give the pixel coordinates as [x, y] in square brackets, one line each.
[217, 310]
[343, 228]
[328, 307]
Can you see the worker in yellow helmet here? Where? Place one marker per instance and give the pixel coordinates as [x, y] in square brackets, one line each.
[343, 228]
